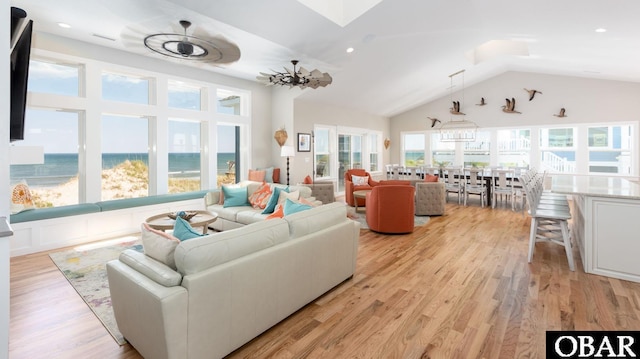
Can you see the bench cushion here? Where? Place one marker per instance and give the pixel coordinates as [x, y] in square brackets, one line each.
[54, 212]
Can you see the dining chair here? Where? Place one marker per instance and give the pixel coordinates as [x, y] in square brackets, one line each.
[475, 184]
[502, 185]
[454, 181]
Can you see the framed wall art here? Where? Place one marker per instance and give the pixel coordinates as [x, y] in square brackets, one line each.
[304, 142]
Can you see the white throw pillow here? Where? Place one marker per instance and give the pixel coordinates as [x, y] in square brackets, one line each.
[291, 195]
[360, 180]
[159, 245]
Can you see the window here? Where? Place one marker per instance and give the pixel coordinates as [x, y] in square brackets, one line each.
[374, 148]
[514, 147]
[610, 149]
[184, 96]
[413, 146]
[322, 152]
[125, 157]
[125, 88]
[349, 155]
[55, 182]
[184, 156]
[476, 153]
[228, 156]
[557, 150]
[442, 153]
[53, 78]
[229, 102]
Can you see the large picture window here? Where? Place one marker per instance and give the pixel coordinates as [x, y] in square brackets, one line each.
[184, 96]
[610, 149]
[413, 148]
[557, 149]
[54, 78]
[184, 156]
[55, 182]
[125, 157]
[125, 88]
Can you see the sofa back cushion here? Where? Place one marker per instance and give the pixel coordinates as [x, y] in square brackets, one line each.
[198, 254]
[316, 219]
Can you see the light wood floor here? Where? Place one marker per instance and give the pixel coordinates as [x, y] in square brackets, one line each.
[459, 287]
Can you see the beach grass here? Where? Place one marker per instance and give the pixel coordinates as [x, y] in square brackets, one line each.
[129, 179]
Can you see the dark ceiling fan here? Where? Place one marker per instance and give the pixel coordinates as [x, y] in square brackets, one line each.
[190, 47]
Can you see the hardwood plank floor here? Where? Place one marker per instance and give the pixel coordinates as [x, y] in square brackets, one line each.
[459, 287]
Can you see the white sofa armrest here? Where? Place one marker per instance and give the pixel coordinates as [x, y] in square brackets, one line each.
[152, 317]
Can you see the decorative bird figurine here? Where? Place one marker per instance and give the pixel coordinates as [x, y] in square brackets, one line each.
[511, 106]
[482, 103]
[532, 93]
[561, 113]
[434, 121]
[456, 108]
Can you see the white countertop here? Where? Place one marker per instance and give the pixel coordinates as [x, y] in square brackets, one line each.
[596, 186]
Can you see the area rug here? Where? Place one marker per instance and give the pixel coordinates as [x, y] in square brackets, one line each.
[362, 219]
[85, 269]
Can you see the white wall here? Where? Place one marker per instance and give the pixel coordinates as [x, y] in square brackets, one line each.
[307, 114]
[585, 101]
[4, 177]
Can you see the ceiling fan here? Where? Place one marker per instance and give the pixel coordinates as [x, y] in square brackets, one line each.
[301, 78]
[189, 47]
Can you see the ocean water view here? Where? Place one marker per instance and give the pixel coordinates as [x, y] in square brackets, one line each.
[59, 168]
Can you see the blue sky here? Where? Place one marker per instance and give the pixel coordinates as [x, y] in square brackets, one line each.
[120, 134]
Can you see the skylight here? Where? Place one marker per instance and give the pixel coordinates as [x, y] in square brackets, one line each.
[342, 12]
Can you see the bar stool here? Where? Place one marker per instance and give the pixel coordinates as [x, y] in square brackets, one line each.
[549, 219]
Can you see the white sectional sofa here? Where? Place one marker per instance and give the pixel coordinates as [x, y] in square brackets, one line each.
[235, 217]
[231, 286]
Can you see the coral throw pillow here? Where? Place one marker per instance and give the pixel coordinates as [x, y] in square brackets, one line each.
[307, 180]
[257, 175]
[21, 198]
[430, 178]
[260, 197]
[359, 180]
[277, 213]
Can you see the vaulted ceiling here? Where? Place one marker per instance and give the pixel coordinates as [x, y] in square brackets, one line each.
[404, 50]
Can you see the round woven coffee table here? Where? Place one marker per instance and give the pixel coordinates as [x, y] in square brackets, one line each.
[359, 194]
[162, 222]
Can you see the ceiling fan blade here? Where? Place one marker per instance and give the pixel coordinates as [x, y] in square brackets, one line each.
[316, 73]
[304, 72]
[290, 72]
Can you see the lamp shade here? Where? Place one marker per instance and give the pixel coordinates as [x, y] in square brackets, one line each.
[287, 151]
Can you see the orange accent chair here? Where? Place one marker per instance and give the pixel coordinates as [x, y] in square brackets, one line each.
[349, 187]
[391, 208]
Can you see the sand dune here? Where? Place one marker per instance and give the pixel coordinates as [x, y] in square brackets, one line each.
[129, 179]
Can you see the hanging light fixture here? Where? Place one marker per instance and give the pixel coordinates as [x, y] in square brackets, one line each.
[301, 78]
[189, 47]
[457, 130]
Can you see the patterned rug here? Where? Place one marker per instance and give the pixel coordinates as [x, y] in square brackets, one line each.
[362, 219]
[85, 269]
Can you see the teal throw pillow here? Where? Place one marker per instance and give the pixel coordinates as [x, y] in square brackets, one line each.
[235, 197]
[273, 200]
[183, 230]
[291, 207]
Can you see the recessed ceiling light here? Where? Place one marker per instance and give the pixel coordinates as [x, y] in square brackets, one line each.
[350, 50]
[601, 29]
[64, 25]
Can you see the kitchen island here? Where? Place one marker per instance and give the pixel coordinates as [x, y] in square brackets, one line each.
[605, 223]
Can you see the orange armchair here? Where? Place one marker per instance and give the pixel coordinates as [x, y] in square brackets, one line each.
[391, 209]
[349, 187]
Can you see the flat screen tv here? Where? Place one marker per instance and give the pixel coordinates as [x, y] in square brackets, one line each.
[19, 78]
